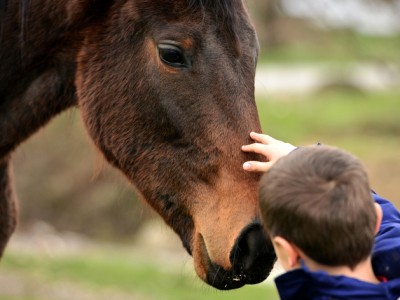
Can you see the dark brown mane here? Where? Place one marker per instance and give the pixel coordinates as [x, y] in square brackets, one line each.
[3, 6]
[24, 4]
[225, 13]
[222, 8]
[3, 10]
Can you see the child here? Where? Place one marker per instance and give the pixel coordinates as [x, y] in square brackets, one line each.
[320, 215]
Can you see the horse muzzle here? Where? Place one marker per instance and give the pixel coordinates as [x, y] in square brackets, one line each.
[252, 258]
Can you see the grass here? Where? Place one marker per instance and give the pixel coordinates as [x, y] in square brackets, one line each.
[334, 115]
[17, 298]
[335, 47]
[126, 274]
[366, 124]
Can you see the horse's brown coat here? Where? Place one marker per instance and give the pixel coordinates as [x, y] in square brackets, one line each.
[175, 132]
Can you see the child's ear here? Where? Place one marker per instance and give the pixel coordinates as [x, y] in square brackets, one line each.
[287, 253]
[379, 215]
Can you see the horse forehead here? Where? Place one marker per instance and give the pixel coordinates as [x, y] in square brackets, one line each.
[226, 18]
[222, 13]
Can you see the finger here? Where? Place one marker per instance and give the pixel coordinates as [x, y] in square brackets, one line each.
[256, 166]
[256, 148]
[262, 138]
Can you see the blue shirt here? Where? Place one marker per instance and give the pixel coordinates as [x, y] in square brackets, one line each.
[386, 251]
[302, 284]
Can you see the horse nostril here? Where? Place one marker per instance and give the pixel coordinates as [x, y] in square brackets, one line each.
[253, 255]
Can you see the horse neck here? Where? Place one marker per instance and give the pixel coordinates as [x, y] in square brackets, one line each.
[38, 46]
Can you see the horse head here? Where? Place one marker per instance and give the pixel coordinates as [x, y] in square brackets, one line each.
[166, 90]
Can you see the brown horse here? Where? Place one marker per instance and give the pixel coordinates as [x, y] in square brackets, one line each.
[166, 92]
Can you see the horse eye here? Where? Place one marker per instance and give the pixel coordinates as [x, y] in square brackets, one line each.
[172, 56]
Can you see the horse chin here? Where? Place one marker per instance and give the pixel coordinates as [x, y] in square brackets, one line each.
[220, 278]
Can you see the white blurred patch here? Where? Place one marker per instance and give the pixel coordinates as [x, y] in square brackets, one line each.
[374, 17]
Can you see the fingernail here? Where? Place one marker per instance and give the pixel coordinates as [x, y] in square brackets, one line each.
[247, 166]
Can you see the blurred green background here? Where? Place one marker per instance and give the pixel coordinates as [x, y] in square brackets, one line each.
[84, 234]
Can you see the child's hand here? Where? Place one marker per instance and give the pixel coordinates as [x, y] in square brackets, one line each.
[271, 148]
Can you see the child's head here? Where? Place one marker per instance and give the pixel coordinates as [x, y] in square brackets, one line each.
[318, 198]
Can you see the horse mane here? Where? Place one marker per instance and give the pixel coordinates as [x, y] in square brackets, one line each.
[23, 7]
[225, 13]
[222, 7]
[3, 5]
[3, 9]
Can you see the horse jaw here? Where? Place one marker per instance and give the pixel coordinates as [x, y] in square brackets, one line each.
[220, 227]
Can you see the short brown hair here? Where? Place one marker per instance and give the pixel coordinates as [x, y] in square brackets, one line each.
[319, 199]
